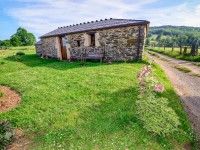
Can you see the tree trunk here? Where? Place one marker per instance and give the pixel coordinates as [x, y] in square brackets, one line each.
[197, 50]
[185, 51]
[181, 51]
[193, 49]
[172, 48]
[164, 47]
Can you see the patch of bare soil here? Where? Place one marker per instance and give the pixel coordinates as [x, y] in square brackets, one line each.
[20, 142]
[9, 99]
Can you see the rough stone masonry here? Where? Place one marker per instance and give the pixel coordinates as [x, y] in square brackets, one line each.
[122, 43]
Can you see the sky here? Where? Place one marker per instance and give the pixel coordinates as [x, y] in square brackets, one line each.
[43, 16]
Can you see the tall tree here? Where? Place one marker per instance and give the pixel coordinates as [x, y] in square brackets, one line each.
[182, 40]
[15, 40]
[147, 41]
[159, 37]
[25, 37]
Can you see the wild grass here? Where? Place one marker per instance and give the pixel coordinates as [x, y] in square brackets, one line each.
[164, 59]
[175, 54]
[197, 64]
[68, 106]
[156, 55]
[196, 75]
[184, 69]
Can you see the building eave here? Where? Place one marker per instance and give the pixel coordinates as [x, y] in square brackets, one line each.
[103, 28]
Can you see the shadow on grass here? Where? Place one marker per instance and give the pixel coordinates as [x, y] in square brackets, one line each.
[33, 60]
[113, 118]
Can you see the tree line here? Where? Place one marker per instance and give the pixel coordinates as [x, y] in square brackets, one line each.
[175, 37]
[21, 38]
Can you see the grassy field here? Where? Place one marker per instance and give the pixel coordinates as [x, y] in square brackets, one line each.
[65, 106]
[175, 53]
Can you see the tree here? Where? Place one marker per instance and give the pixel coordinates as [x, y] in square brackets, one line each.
[25, 38]
[173, 42]
[15, 40]
[182, 40]
[158, 38]
[5, 43]
[147, 41]
[193, 41]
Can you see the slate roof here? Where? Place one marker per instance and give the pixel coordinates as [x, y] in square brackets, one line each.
[95, 25]
[38, 43]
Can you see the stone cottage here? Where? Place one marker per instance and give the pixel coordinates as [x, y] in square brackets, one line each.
[113, 39]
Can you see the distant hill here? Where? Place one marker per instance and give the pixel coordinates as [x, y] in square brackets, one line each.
[169, 30]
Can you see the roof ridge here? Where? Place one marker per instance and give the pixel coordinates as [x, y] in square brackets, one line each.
[86, 23]
[94, 25]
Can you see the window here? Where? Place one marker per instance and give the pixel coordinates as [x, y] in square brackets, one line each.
[78, 43]
[92, 40]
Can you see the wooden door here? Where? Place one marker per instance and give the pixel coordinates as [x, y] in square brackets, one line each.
[63, 48]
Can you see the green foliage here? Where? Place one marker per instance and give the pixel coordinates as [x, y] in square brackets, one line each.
[15, 40]
[175, 30]
[147, 41]
[158, 38]
[157, 116]
[176, 54]
[21, 38]
[20, 53]
[5, 43]
[1, 94]
[15, 58]
[2, 63]
[6, 134]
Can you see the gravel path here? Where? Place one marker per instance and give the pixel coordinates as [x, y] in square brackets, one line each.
[186, 85]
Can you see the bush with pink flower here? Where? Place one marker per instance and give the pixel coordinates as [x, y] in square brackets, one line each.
[153, 110]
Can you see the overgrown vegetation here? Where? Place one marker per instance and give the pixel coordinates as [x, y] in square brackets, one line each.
[20, 53]
[151, 109]
[6, 134]
[175, 54]
[68, 106]
[1, 94]
[184, 69]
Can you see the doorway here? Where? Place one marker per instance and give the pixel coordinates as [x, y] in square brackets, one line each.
[63, 48]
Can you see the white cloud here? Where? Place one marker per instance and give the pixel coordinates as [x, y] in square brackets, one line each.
[42, 16]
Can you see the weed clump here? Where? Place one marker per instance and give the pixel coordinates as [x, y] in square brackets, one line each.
[6, 134]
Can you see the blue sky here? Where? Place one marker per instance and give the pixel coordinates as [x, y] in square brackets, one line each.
[42, 16]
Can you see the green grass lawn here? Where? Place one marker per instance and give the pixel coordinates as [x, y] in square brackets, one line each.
[91, 107]
[175, 53]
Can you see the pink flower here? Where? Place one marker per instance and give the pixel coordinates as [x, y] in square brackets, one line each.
[159, 88]
[145, 72]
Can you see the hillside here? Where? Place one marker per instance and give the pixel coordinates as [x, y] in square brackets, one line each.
[174, 30]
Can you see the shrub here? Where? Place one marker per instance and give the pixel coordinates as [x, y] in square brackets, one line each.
[14, 58]
[2, 63]
[6, 134]
[20, 53]
[1, 94]
[82, 63]
[157, 116]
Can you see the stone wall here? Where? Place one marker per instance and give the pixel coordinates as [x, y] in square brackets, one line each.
[39, 49]
[117, 44]
[48, 47]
